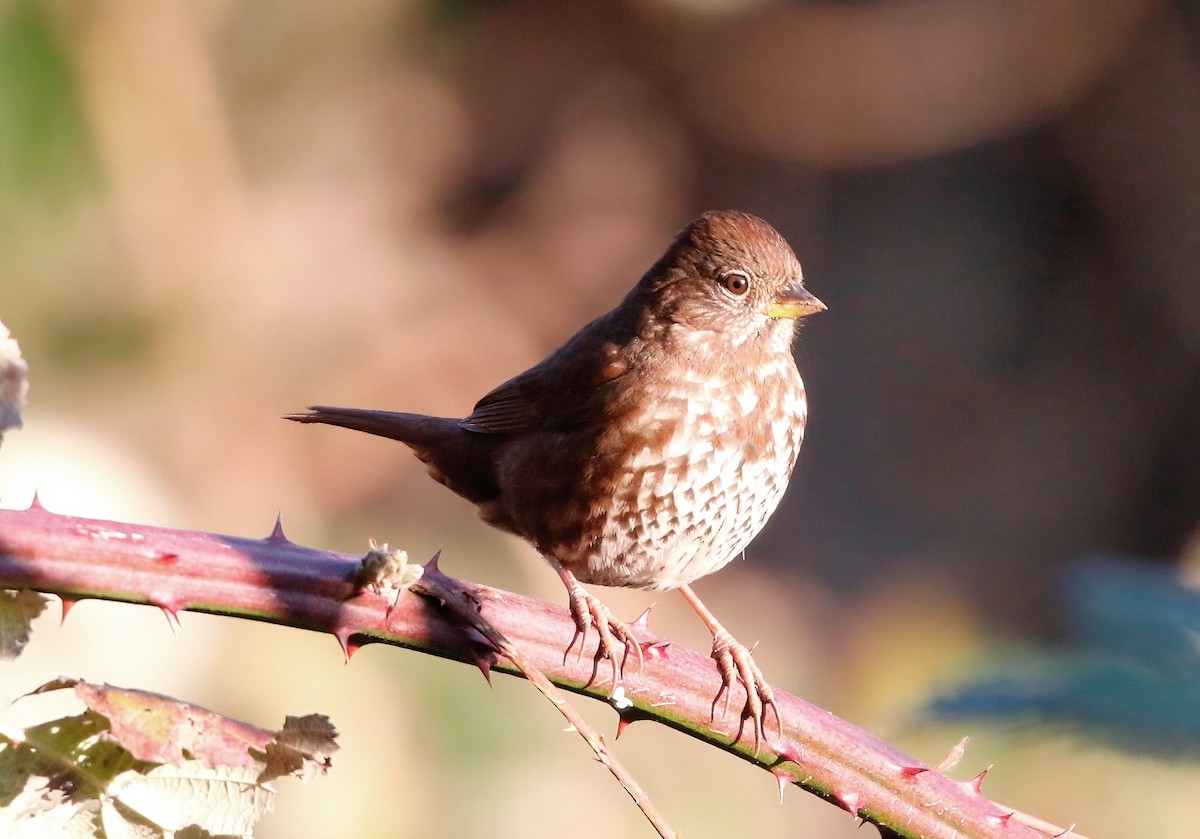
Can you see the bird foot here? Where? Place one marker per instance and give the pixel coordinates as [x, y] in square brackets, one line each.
[735, 662]
[615, 634]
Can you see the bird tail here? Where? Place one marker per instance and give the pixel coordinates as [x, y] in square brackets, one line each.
[460, 459]
[411, 429]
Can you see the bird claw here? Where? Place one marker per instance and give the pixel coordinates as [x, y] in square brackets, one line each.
[587, 611]
[735, 662]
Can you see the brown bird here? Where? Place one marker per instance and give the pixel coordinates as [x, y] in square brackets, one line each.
[652, 447]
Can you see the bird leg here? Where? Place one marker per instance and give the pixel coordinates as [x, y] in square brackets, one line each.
[587, 610]
[734, 661]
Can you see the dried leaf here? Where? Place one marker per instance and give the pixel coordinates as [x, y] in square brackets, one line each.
[160, 729]
[13, 382]
[139, 765]
[301, 749]
[40, 810]
[17, 611]
[224, 800]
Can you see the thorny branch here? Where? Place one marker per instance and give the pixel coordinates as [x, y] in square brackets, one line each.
[452, 594]
[278, 581]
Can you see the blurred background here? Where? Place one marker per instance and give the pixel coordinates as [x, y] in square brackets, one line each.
[214, 213]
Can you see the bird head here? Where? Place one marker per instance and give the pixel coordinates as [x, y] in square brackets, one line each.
[730, 273]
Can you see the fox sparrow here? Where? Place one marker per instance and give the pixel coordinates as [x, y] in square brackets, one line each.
[650, 448]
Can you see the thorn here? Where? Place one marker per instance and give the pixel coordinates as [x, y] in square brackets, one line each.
[68, 603]
[1065, 833]
[654, 649]
[652, 645]
[35, 504]
[277, 532]
[954, 755]
[344, 636]
[784, 779]
[432, 564]
[642, 623]
[170, 606]
[974, 785]
[788, 754]
[171, 613]
[166, 557]
[913, 771]
[623, 721]
[850, 801]
[1004, 819]
[485, 659]
[627, 712]
[481, 640]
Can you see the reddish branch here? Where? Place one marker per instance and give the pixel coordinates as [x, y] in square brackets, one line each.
[280, 582]
[453, 595]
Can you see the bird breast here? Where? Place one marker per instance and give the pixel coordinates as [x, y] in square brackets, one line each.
[684, 472]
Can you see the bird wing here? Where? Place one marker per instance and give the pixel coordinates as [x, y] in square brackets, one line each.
[507, 409]
[558, 393]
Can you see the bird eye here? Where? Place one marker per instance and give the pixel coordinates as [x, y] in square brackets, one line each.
[736, 283]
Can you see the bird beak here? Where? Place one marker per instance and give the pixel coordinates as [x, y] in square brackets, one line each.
[795, 302]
